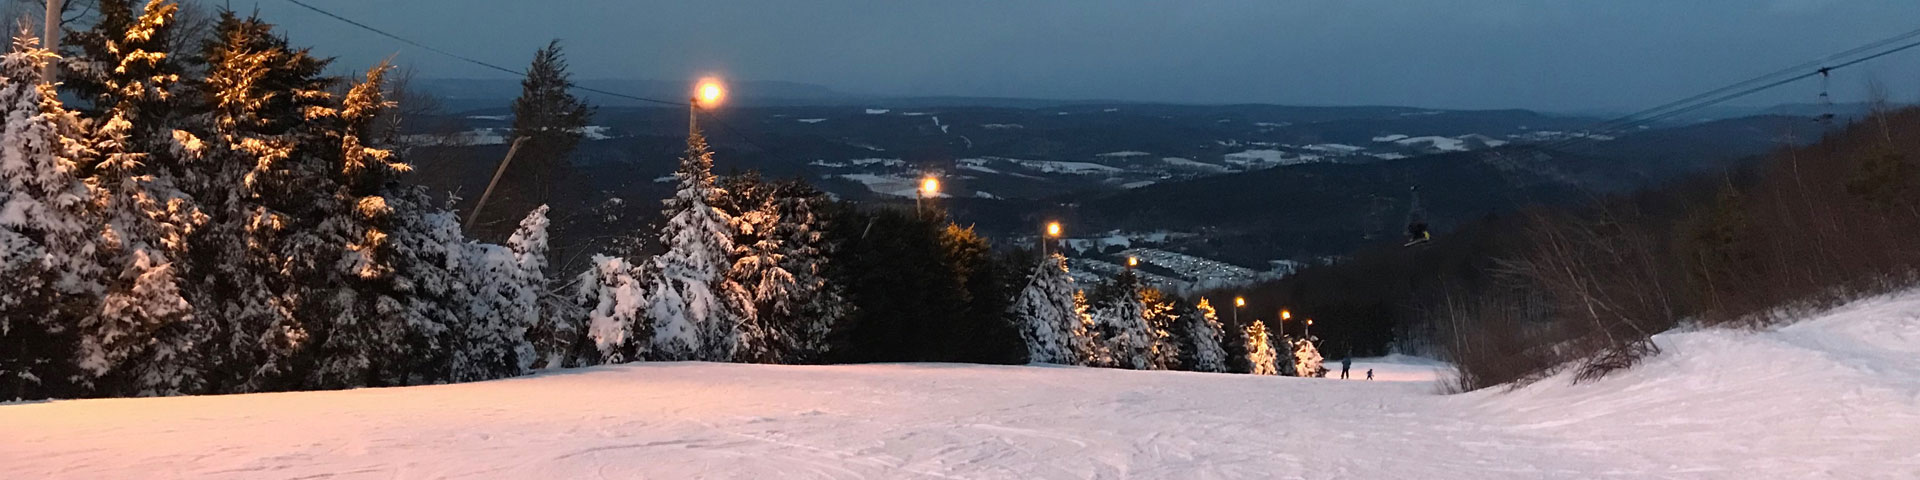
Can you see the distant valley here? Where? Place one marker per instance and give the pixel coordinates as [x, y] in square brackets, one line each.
[1259, 188]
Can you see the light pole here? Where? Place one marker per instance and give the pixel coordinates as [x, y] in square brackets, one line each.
[52, 40]
[1053, 233]
[1285, 315]
[707, 94]
[929, 186]
[1238, 303]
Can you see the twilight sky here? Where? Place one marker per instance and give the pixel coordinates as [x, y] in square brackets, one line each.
[1542, 54]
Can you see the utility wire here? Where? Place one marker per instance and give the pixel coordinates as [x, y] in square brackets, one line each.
[471, 60]
[715, 118]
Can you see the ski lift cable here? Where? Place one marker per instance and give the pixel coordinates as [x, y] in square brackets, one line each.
[1821, 72]
[1763, 78]
[1709, 99]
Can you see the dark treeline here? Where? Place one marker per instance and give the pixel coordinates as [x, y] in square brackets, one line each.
[1515, 297]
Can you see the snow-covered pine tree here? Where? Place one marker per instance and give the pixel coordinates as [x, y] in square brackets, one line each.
[1260, 352]
[1203, 327]
[429, 270]
[755, 280]
[787, 307]
[258, 262]
[692, 319]
[1121, 317]
[529, 246]
[1162, 321]
[48, 280]
[815, 305]
[143, 339]
[370, 304]
[1051, 312]
[506, 301]
[1306, 359]
[559, 334]
[612, 296]
[1090, 350]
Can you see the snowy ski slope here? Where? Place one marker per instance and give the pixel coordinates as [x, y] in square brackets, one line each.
[1833, 397]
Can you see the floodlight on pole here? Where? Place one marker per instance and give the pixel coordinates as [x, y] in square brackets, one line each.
[1053, 232]
[708, 93]
[929, 187]
[1238, 302]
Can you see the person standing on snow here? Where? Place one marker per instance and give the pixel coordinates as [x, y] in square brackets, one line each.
[1346, 364]
[1369, 374]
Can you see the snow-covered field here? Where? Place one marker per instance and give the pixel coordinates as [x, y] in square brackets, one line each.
[1833, 397]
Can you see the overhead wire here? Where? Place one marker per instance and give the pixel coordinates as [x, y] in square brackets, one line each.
[491, 66]
[1740, 89]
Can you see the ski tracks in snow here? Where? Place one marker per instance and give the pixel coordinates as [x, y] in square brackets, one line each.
[1828, 398]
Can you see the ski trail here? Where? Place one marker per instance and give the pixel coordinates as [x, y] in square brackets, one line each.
[1837, 396]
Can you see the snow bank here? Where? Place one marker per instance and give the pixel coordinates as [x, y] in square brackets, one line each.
[1836, 396]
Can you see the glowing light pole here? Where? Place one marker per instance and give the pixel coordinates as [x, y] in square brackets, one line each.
[1238, 303]
[708, 94]
[1053, 233]
[928, 187]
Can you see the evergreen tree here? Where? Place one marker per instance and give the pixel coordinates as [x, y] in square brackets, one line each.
[1260, 352]
[1051, 312]
[1306, 359]
[1086, 341]
[755, 280]
[989, 334]
[506, 302]
[47, 279]
[692, 318]
[1162, 319]
[552, 121]
[1206, 334]
[612, 296]
[919, 290]
[1120, 317]
[140, 341]
[429, 274]
[258, 261]
[788, 307]
[144, 336]
[814, 306]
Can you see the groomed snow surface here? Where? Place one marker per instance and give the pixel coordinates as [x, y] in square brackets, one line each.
[1836, 396]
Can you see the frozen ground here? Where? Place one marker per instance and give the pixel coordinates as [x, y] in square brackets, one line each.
[1833, 397]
